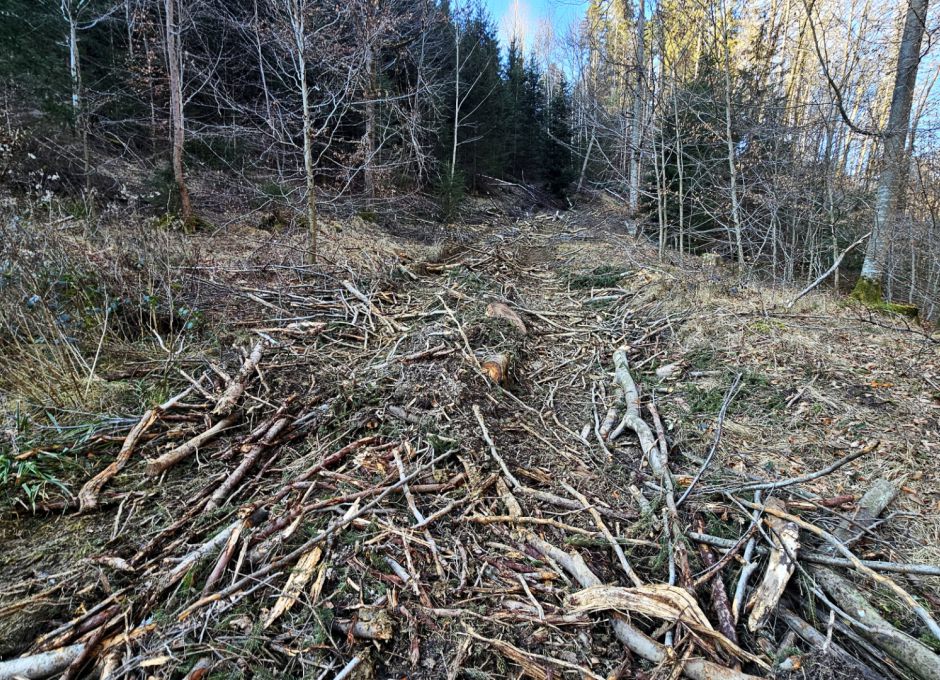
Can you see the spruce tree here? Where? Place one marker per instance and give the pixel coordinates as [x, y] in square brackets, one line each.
[559, 171]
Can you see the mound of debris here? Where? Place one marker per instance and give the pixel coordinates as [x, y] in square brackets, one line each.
[458, 468]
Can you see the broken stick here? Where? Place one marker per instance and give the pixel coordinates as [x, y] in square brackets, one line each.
[226, 403]
[88, 495]
[171, 458]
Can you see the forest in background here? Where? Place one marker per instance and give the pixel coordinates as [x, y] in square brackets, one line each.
[757, 130]
[364, 339]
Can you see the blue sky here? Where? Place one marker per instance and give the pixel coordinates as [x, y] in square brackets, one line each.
[561, 13]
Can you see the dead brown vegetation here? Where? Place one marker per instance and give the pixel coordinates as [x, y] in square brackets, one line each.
[374, 502]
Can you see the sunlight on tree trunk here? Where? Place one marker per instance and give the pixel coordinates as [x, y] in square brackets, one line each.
[869, 288]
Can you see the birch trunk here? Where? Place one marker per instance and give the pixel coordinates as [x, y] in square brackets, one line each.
[732, 166]
[636, 130]
[296, 15]
[869, 287]
[453, 151]
[75, 79]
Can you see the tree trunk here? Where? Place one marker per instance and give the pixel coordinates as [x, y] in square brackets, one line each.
[584, 164]
[264, 87]
[368, 139]
[680, 169]
[869, 287]
[174, 62]
[75, 78]
[732, 167]
[296, 15]
[638, 109]
[453, 149]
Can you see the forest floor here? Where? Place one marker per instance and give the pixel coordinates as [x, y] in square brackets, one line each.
[375, 504]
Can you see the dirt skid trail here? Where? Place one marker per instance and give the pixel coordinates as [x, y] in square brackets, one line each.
[420, 471]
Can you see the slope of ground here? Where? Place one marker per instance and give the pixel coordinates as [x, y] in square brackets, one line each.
[361, 508]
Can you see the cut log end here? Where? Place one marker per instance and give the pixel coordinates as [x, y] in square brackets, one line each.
[497, 368]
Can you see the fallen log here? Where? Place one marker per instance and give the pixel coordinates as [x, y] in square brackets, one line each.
[907, 651]
[40, 665]
[833, 649]
[905, 596]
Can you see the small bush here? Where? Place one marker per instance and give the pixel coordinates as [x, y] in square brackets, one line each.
[368, 215]
[160, 190]
[451, 190]
[604, 276]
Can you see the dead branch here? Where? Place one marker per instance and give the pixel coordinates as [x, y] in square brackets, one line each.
[249, 459]
[40, 665]
[418, 515]
[750, 566]
[294, 555]
[725, 402]
[825, 275]
[821, 558]
[719, 596]
[618, 551]
[906, 650]
[765, 486]
[88, 495]
[818, 640]
[359, 295]
[226, 403]
[171, 458]
[632, 638]
[570, 504]
[532, 663]
[661, 601]
[500, 310]
[786, 543]
[492, 446]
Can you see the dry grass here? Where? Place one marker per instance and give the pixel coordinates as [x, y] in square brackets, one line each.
[817, 380]
[825, 376]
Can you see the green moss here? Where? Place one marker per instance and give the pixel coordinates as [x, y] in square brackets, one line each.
[870, 293]
[196, 223]
[767, 326]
